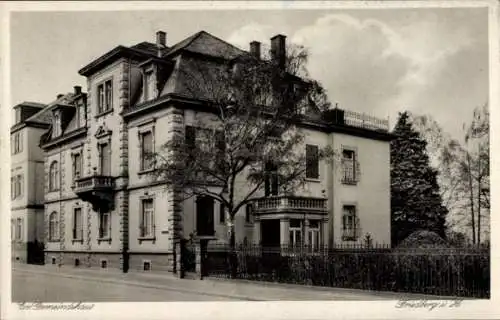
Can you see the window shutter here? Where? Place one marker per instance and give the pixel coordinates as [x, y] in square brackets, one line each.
[20, 141]
[21, 184]
[312, 161]
[357, 167]
[267, 186]
[109, 95]
[106, 159]
[248, 212]
[222, 213]
[274, 184]
[146, 149]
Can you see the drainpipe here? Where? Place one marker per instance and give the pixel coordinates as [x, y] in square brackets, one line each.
[330, 197]
[61, 234]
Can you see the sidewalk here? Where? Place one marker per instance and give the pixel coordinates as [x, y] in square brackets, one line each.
[238, 289]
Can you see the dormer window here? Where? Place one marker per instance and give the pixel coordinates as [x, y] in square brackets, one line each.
[149, 89]
[105, 97]
[57, 124]
[18, 115]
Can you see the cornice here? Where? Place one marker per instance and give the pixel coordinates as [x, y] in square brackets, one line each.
[102, 61]
[64, 138]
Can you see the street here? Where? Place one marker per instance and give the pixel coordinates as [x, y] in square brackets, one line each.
[31, 286]
[31, 283]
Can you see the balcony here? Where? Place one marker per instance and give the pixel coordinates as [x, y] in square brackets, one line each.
[357, 120]
[96, 189]
[290, 204]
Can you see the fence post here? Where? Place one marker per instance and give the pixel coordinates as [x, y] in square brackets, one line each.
[178, 256]
[198, 260]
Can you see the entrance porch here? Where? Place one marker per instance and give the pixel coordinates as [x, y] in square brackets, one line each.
[291, 221]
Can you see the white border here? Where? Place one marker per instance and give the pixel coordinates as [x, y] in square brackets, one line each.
[242, 310]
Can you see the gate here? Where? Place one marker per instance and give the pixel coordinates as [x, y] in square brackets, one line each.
[188, 256]
[36, 253]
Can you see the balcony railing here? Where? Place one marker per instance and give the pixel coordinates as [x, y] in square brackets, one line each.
[365, 121]
[94, 183]
[351, 234]
[355, 119]
[290, 204]
[97, 190]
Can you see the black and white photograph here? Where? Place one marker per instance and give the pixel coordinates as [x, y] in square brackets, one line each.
[247, 152]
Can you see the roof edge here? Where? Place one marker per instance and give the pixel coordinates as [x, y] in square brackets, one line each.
[108, 57]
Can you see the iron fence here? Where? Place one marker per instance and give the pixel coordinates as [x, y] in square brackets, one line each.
[461, 272]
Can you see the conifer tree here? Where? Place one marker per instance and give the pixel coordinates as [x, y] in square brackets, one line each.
[416, 202]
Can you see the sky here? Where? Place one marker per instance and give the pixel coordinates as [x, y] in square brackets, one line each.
[378, 61]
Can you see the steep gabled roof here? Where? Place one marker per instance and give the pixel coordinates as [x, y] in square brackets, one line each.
[147, 47]
[204, 43]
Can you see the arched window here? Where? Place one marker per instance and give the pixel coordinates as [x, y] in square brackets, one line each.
[54, 176]
[53, 226]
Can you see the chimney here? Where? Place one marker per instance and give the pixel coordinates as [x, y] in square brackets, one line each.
[78, 89]
[161, 42]
[161, 39]
[278, 49]
[255, 49]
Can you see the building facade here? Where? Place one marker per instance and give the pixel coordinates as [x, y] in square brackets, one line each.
[27, 168]
[103, 209]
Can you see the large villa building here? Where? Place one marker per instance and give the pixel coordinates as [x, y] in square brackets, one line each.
[101, 209]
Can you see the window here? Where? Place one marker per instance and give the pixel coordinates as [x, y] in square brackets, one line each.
[18, 115]
[295, 232]
[271, 183]
[77, 224]
[54, 176]
[146, 150]
[312, 162]
[104, 225]
[77, 166]
[19, 228]
[17, 143]
[16, 184]
[105, 159]
[205, 216]
[349, 166]
[149, 86]
[57, 124]
[220, 145]
[190, 137]
[104, 264]
[349, 223]
[314, 235]
[109, 94]
[222, 213]
[100, 98]
[105, 97]
[248, 212]
[53, 227]
[146, 265]
[147, 219]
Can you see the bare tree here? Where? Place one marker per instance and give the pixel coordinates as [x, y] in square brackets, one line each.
[249, 138]
[463, 167]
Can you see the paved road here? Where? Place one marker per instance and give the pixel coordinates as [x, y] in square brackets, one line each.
[31, 286]
[69, 284]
